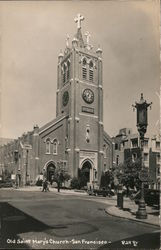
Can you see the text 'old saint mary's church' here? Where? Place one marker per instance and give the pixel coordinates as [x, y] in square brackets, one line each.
[75, 139]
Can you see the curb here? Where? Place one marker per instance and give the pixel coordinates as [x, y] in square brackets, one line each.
[132, 219]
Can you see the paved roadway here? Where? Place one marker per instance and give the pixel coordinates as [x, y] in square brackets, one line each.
[54, 221]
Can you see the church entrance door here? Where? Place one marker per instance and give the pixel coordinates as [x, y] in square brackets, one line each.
[50, 172]
[84, 173]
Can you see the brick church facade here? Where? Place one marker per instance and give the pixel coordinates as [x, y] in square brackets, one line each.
[75, 139]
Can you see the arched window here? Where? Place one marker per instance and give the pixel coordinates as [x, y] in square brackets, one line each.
[48, 146]
[84, 69]
[105, 150]
[91, 71]
[64, 72]
[68, 70]
[87, 134]
[84, 62]
[55, 147]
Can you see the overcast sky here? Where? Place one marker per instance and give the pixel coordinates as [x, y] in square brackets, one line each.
[32, 34]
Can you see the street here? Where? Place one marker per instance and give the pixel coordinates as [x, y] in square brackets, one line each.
[50, 220]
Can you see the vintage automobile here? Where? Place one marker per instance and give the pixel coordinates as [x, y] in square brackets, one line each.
[102, 192]
[151, 196]
[6, 184]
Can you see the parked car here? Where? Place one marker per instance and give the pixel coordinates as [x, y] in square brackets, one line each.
[130, 193]
[6, 184]
[102, 192]
[151, 196]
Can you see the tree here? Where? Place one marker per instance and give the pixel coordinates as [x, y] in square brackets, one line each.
[106, 179]
[6, 175]
[81, 181]
[75, 183]
[130, 174]
[60, 176]
[66, 177]
[116, 176]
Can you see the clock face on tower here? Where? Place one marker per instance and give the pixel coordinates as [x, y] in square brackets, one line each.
[65, 98]
[88, 96]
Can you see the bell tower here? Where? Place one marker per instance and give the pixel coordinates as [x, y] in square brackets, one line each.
[80, 98]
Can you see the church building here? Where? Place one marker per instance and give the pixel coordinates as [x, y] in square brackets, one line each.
[75, 140]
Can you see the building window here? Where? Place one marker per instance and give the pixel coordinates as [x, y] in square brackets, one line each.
[134, 157]
[48, 146]
[84, 73]
[84, 69]
[91, 71]
[117, 160]
[64, 72]
[145, 157]
[68, 70]
[157, 144]
[122, 145]
[146, 144]
[134, 143]
[158, 158]
[116, 146]
[65, 165]
[55, 147]
[105, 151]
[158, 171]
[95, 175]
[87, 134]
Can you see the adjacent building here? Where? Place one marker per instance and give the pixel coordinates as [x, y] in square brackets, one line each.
[127, 146]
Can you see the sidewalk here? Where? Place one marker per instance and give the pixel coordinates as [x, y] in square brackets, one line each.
[129, 212]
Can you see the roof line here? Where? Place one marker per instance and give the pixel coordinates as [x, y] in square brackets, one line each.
[54, 123]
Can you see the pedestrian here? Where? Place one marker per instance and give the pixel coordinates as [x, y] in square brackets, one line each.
[44, 186]
[58, 185]
[47, 188]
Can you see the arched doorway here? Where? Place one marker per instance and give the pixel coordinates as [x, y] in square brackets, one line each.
[84, 173]
[50, 172]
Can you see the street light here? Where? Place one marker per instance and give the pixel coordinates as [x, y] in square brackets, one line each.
[27, 151]
[142, 123]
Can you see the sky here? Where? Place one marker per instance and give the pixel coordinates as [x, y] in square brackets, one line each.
[31, 36]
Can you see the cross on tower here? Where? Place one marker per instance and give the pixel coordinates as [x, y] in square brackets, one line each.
[78, 20]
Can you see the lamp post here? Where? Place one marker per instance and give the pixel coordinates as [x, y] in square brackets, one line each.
[142, 123]
[27, 151]
[16, 168]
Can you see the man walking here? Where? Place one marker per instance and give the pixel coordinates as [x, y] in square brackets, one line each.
[44, 186]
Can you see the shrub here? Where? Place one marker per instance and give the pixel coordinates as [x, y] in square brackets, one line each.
[39, 182]
[75, 183]
[106, 179]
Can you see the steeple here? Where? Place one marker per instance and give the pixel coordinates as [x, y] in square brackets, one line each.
[78, 41]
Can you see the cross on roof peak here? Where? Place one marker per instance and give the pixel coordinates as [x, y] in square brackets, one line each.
[78, 20]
